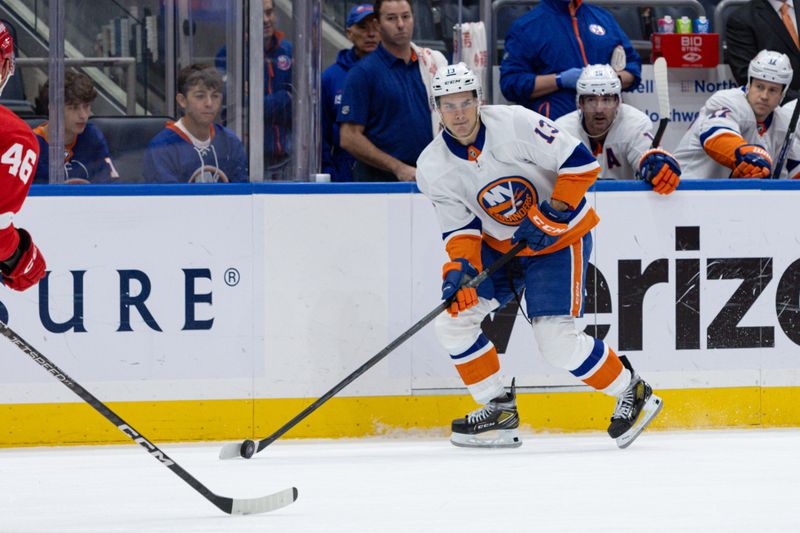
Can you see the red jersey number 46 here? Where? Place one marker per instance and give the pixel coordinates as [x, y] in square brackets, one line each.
[19, 165]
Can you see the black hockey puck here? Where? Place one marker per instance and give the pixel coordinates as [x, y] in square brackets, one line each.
[248, 449]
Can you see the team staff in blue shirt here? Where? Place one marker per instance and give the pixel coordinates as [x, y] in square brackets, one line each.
[362, 30]
[385, 119]
[546, 49]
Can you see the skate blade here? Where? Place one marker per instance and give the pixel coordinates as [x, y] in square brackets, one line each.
[650, 410]
[501, 438]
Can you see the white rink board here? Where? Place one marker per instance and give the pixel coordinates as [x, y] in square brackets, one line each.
[325, 281]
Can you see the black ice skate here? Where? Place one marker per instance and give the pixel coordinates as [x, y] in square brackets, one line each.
[635, 408]
[495, 425]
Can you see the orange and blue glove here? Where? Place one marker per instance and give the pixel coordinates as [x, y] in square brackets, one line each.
[658, 168]
[752, 161]
[457, 273]
[542, 227]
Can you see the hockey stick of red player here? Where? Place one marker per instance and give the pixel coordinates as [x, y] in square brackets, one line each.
[787, 141]
[263, 504]
[248, 448]
[662, 91]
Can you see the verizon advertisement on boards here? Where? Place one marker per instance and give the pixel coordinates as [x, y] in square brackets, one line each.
[282, 295]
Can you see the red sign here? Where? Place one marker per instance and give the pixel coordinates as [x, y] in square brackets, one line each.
[692, 50]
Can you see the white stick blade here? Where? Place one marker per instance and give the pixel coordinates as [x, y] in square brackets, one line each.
[264, 504]
[662, 86]
[232, 450]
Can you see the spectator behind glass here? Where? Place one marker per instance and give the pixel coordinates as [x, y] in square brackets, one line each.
[277, 96]
[86, 157]
[362, 31]
[195, 149]
[541, 68]
[763, 25]
[385, 118]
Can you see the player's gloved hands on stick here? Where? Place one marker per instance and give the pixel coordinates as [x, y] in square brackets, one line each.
[752, 161]
[26, 265]
[457, 273]
[542, 227]
[658, 168]
[568, 79]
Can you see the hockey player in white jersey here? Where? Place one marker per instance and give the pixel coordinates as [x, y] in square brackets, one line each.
[739, 132]
[497, 175]
[619, 135]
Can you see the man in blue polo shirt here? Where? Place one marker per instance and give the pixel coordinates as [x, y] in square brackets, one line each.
[385, 118]
[362, 31]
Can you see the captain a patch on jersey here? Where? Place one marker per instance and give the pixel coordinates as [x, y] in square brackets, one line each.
[508, 199]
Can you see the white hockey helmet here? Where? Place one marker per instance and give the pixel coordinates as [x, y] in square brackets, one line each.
[454, 79]
[771, 66]
[598, 80]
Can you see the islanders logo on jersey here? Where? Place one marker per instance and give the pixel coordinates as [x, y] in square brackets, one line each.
[597, 29]
[508, 199]
[284, 62]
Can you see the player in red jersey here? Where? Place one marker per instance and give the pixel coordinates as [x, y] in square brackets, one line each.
[23, 265]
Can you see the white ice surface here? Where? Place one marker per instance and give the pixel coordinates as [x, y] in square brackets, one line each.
[709, 481]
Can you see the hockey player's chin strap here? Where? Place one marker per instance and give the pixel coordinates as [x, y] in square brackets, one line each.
[468, 135]
[602, 133]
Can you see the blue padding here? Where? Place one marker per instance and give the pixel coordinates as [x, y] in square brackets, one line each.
[591, 361]
[243, 189]
[478, 345]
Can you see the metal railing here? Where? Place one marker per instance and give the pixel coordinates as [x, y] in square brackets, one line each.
[128, 63]
[489, 16]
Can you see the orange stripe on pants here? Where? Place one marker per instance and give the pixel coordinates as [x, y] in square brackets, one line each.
[481, 368]
[606, 374]
[577, 277]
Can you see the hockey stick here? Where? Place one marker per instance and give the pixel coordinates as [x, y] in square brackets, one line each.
[786, 141]
[227, 505]
[662, 91]
[248, 448]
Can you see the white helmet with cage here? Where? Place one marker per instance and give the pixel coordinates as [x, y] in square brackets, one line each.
[454, 79]
[771, 66]
[598, 80]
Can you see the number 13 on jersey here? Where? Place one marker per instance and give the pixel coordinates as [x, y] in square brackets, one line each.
[19, 165]
[548, 131]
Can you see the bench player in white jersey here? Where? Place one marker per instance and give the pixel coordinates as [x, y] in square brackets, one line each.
[497, 174]
[21, 263]
[618, 135]
[739, 132]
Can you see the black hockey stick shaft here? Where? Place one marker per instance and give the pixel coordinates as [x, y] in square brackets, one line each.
[224, 504]
[662, 127]
[787, 141]
[494, 267]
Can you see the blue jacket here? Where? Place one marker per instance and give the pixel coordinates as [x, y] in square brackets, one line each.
[277, 98]
[544, 41]
[335, 161]
[86, 159]
[172, 158]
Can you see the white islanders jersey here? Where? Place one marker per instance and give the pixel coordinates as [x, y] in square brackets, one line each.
[728, 111]
[629, 136]
[518, 159]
